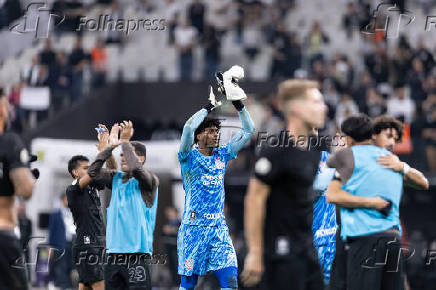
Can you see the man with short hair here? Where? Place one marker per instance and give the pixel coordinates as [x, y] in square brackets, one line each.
[279, 202]
[131, 215]
[366, 173]
[15, 180]
[204, 243]
[84, 203]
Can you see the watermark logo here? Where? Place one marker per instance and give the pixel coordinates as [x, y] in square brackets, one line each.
[127, 26]
[390, 19]
[391, 255]
[44, 255]
[285, 139]
[37, 19]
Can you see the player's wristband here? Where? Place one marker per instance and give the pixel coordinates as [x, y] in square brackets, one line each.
[406, 168]
[238, 105]
[209, 107]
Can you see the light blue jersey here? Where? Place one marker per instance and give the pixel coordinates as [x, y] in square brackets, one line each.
[130, 223]
[324, 218]
[204, 242]
[371, 179]
[203, 176]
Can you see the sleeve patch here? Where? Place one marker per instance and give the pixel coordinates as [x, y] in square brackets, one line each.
[263, 166]
[24, 156]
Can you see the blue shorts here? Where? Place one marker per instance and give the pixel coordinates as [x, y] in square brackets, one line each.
[203, 249]
[326, 255]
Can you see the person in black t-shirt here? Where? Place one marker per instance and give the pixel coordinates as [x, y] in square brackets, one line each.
[279, 201]
[15, 179]
[84, 202]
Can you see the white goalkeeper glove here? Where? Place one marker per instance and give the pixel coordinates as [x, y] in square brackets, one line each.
[213, 100]
[213, 103]
[228, 83]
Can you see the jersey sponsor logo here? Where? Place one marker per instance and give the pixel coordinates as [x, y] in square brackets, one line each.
[189, 264]
[219, 164]
[212, 216]
[212, 180]
[325, 232]
[86, 240]
[263, 166]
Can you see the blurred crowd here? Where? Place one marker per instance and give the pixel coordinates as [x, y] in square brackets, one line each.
[64, 74]
[397, 78]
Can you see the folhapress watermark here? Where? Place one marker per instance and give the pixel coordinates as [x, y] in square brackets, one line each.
[285, 139]
[106, 23]
[39, 19]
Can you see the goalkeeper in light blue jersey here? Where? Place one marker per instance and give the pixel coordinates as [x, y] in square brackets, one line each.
[204, 244]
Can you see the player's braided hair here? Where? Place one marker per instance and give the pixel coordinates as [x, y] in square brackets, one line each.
[208, 122]
[384, 122]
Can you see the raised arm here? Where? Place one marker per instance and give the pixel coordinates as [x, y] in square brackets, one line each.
[103, 142]
[192, 124]
[246, 131]
[189, 129]
[96, 171]
[148, 182]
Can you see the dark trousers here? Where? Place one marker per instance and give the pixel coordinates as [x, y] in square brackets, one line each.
[375, 262]
[338, 272]
[12, 263]
[61, 267]
[296, 272]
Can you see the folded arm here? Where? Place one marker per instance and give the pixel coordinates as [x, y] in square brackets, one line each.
[147, 180]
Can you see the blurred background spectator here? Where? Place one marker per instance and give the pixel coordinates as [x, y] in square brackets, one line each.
[62, 233]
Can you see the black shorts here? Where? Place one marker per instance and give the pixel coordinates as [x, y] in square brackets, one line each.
[127, 271]
[294, 271]
[375, 262]
[338, 272]
[89, 261]
[12, 264]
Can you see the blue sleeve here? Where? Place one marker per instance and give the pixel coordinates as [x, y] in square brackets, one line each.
[244, 134]
[189, 129]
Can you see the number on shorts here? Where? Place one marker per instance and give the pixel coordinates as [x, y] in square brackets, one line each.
[137, 274]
